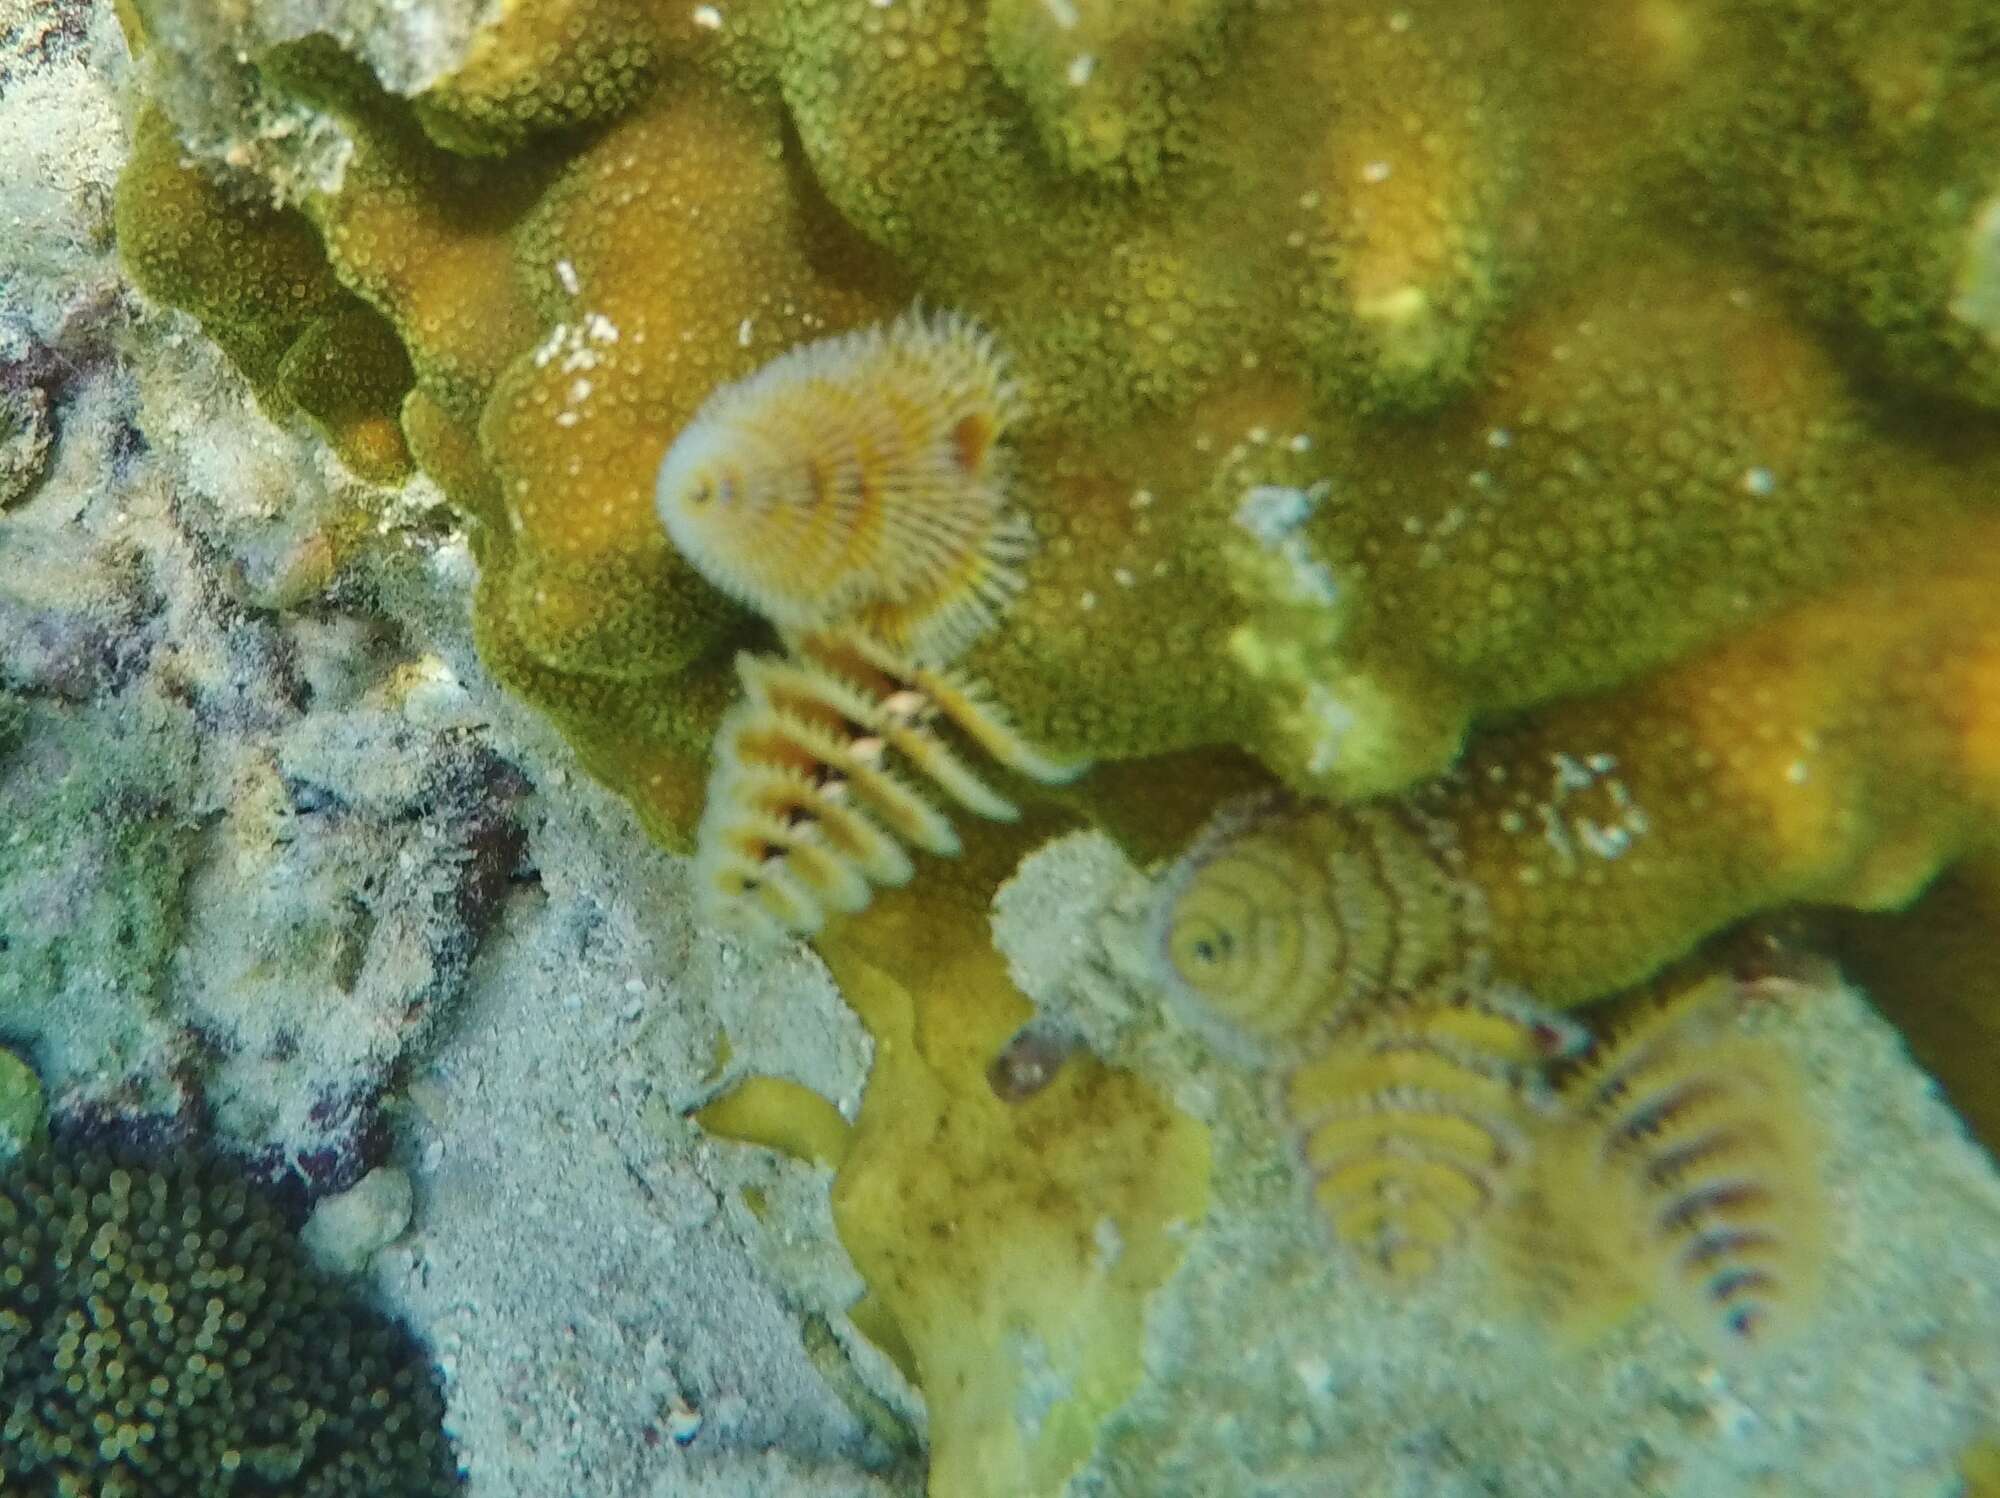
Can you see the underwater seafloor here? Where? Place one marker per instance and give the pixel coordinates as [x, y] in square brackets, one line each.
[284, 869]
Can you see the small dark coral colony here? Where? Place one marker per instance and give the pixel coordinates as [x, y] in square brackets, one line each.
[1509, 471]
[162, 1336]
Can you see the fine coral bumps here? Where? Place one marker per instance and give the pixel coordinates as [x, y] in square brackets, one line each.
[161, 1333]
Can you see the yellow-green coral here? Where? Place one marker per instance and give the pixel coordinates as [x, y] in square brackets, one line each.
[258, 280]
[1846, 143]
[1113, 89]
[1607, 834]
[161, 1333]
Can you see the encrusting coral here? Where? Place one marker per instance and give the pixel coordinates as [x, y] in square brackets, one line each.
[258, 280]
[1528, 414]
[1842, 752]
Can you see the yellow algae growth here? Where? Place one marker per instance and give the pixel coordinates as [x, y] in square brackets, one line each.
[1015, 1244]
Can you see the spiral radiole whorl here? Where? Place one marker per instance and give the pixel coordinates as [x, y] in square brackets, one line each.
[1284, 916]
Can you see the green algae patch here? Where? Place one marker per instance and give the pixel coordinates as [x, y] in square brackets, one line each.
[23, 1109]
[91, 881]
[13, 721]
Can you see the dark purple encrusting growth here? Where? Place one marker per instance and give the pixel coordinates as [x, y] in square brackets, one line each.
[85, 639]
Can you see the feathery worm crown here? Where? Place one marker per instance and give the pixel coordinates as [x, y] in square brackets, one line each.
[826, 774]
[1285, 916]
[1692, 1134]
[1414, 1120]
[859, 479]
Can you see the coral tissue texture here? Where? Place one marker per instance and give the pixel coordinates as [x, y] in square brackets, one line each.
[1562, 434]
[163, 1335]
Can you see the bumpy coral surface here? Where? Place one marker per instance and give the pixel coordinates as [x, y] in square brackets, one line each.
[160, 1333]
[1609, 389]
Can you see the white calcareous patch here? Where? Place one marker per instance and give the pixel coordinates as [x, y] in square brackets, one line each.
[858, 481]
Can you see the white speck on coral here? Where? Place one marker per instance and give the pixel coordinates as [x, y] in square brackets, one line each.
[1605, 842]
[1081, 67]
[1375, 171]
[1315, 1375]
[1110, 1245]
[1271, 512]
[1759, 481]
[708, 18]
[1570, 773]
[566, 273]
[682, 1421]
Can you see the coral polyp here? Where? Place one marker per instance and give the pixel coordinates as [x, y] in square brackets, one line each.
[858, 480]
[163, 1334]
